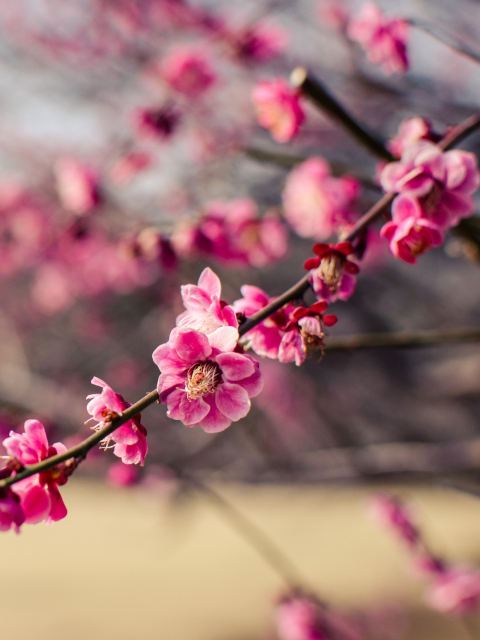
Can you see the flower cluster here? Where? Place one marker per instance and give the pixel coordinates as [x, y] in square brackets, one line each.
[130, 439]
[35, 498]
[233, 234]
[452, 589]
[316, 204]
[384, 40]
[434, 190]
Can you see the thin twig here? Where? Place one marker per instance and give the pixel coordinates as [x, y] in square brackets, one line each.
[312, 88]
[444, 39]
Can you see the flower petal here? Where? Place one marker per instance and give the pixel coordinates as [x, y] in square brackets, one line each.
[235, 366]
[232, 400]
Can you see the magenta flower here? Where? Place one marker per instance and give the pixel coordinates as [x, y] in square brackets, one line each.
[278, 108]
[409, 234]
[304, 334]
[160, 123]
[455, 591]
[39, 496]
[316, 205]
[203, 381]
[300, 618]
[77, 185]
[188, 71]
[258, 42]
[205, 311]
[130, 439]
[442, 181]
[11, 512]
[331, 273]
[266, 337]
[384, 40]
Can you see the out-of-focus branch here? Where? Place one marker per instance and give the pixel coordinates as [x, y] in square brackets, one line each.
[312, 88]
[444, 39]
[402, 339]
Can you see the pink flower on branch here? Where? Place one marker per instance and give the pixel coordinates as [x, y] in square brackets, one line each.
[39, 496]
[384, 40]
[130, 439]
[278, 108]
[188, 71]
[410, 234]
[204, 381]
[331, 273]
[316, 204]
[205, 311]
[441, 181]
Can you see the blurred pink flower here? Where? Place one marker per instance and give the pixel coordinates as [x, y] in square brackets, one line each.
[391, 513]
[316, 205]
[384, 40]
[258, 42]
[77, 185]
[333, 14]
[122, 475]
[160, 123]
[410, 234]
[11, 512]
[442, 181]
[130, 439]
[129, 166]
[205, 311]
[456, 591]
[39, 496]
[203, 381]
[188, 71]
[278, 108]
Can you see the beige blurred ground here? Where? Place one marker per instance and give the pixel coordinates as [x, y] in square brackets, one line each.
[123, 566]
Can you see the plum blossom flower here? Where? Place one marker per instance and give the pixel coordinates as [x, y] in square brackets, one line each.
[410, 234]
[77, 185]
[266, 337]
[455, 591]
[205, 311]
[11, 512]
[130, 439]
[160, 123]
[316, 205]
[258, 42]
[203, 381]
[442, 181]
[331, 273]
[188, 71]
[304, 334]
[278, 108]
[411, 130]
[39, 496]
[384, 40]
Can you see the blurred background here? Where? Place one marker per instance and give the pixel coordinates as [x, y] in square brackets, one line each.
[107, 174]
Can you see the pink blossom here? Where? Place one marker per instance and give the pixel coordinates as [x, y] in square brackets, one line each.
[77, 185]
[160, 123]
[316, 205]
[411, 130]
[130, 439]
[384, 40]
[205, 311]
[304, 334]
[188, 71]
[258, 42]
[266, 337]
[204, 381]
[11, 512]
[409, 234]
[331, 273]
[278, 108]
[442, 181]
[39, 496]
[392, 513]
[299, 618]
[122, 475]
[455, 591]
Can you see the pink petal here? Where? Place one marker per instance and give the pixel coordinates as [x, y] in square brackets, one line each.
[194, 298]
[224, 339]
[214, 421]
[35, 504]
[58, 509]
[254, 384]
[193, 411]
[36, 434]
[235, 366]
[191, 345]
[210, 282]
[232, 400]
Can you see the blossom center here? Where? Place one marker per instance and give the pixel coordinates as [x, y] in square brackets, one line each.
[331, 269]
[202, 378]
[417, 243]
